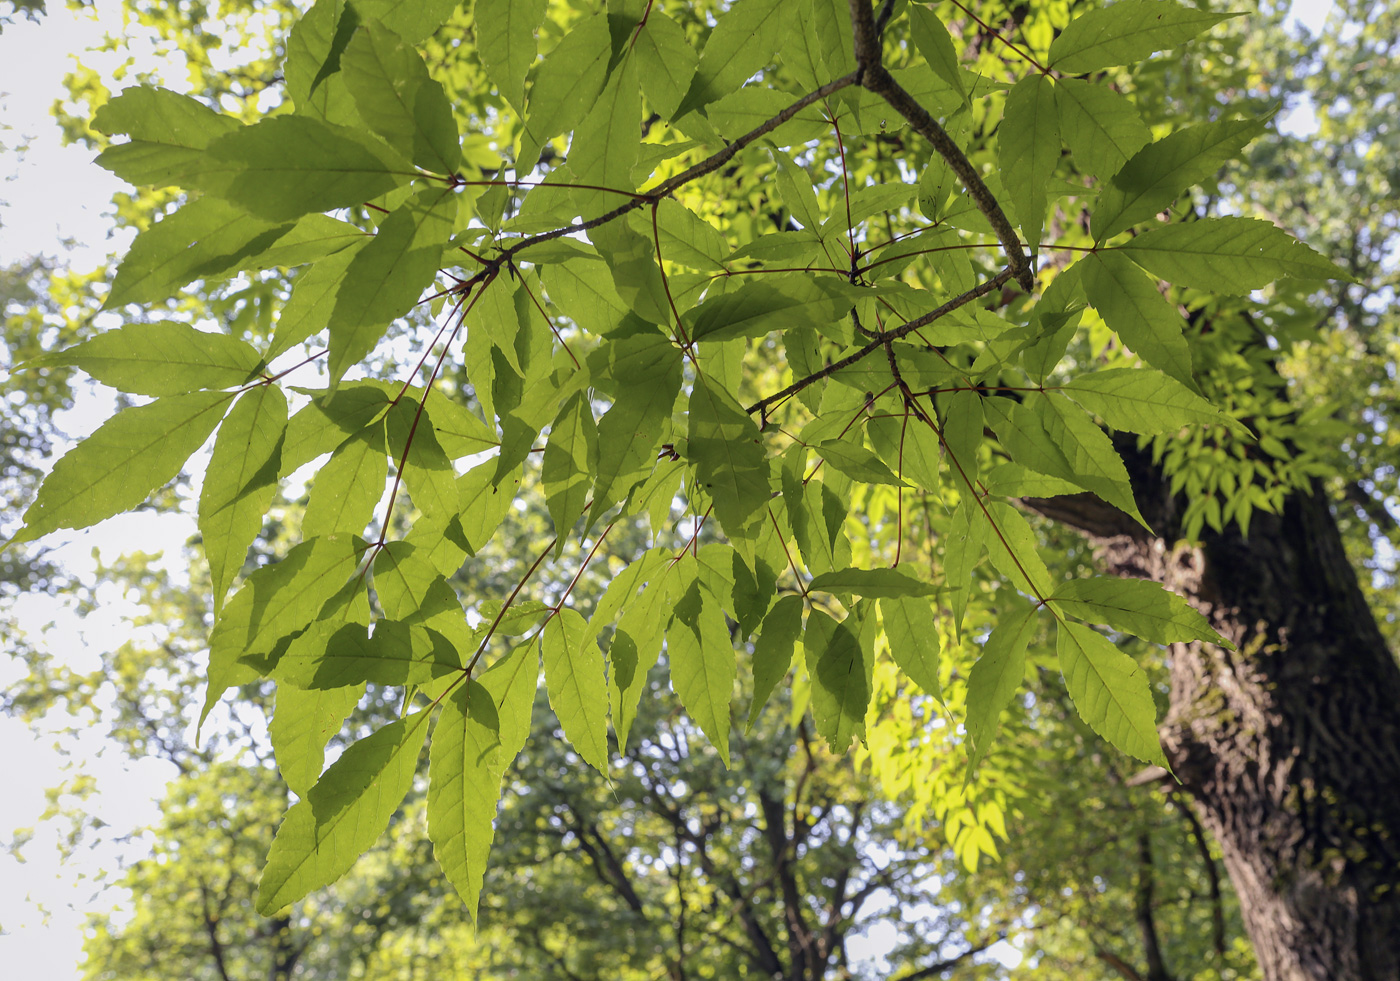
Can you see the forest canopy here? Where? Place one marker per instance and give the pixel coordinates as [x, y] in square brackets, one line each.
[890, 382]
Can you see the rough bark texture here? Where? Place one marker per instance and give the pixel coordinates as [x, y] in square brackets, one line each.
[1290, 745]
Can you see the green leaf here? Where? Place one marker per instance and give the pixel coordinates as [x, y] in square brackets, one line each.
[841, 663]
[505, 42]
[745, 39]
[160, 358]
[399, 101]
[636, 644]
[240, 482]
[205, 238]
[1127, 32]
[1136, 606]
[832, 20]
[570, 460]
[931, 37]
[910, 446]
[857, 462]
[605, 146]
[482, 728]
[343, 814]
[785, 301]
[1092, 459]
[425, 468]
[727, 452]
[484, 501]
[875, 583]
[1022, 434]
[966, 538]
[348, 487]
[387, 277]
[1029, 151]
[1157, 174]
[1228, 255]
[1141, 400]
[1011, 546]
[412, 20]
[962, 435]
[1099, 125]
[275, 602]
[996, 677]
[303, 723]
[1110, 692]
[774, 649]
[394, 654]
[310, 238]
[313, 298]
[460, 431]
[666, 62]
[913, 639]
[574, 677]
[1131, 305]
[566, 86]
[702, 663]
[685, 237]
[312, 65]
[116, 468]
[167, 132]
[283, 167]
[331, 419]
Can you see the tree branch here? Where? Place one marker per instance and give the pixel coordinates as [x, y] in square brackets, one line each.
[666, 187]
[962, 299]
[947, 965]
[878, 80]
[1146, 887]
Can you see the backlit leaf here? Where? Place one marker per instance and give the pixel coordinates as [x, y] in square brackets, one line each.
[840, 663]
[748, 34]
[343, 814]
[573, 674]
[996, 677]
[570, 460]
[399, 101]
[481, 729]
[1099, 125]
[240, 482]
[727, 452]
[702, 664]
[1136, 606]
[386, 278]
[160, 358]
[1146, 321]
[136, 451]
[1127, 31]
[913, 640]
[1110, 692]
[875, 583]
[1157, 174]
[773, 650]
[1141, 400]
[505, 41]
[286, 166]
[1228, 255]
[1029, 151]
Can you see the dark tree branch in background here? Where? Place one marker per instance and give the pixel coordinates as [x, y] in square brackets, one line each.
[1146, 888]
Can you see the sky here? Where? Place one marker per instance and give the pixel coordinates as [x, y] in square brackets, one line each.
[53, 200]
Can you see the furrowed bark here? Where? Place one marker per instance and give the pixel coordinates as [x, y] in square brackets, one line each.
[1289, 745]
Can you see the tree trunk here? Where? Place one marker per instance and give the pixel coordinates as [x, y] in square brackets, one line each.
[1289, 745]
